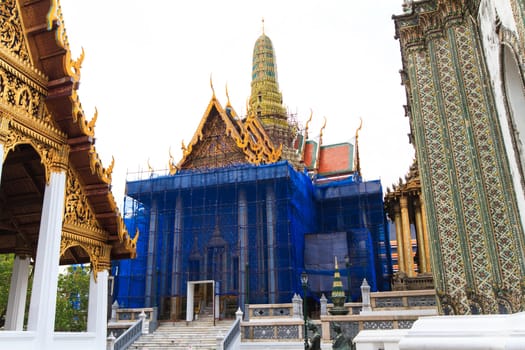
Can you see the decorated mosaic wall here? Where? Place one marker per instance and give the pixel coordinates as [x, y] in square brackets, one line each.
[476, 237]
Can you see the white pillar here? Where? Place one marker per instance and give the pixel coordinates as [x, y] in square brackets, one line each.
[43, 295]
[189, 301]
[145, 327]
[98, 306]
[365, 296]
[17, 295]
[238, 314]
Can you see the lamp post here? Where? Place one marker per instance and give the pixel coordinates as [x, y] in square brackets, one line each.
[304, 283]
[347, 263]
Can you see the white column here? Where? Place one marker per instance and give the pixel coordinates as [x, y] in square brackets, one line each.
[43, 295]
[270, 231]
[190, 290]
[17, 294]
[98, 306]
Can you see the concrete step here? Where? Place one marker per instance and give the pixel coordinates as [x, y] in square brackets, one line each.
[196, 335]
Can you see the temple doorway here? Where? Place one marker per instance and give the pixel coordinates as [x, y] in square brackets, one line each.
[202, 301]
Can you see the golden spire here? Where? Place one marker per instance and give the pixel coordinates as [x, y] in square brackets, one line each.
[263, 25]
[265, 98]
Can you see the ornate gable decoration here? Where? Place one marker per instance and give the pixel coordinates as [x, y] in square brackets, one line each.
[222, 139]
[77, 210]
[11, 34]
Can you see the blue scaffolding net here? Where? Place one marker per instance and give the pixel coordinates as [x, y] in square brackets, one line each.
[252, 230]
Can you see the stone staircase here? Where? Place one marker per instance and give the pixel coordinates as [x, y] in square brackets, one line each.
[200, 334]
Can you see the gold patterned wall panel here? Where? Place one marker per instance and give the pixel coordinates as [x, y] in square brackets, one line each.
[11, 33]
[80, 226]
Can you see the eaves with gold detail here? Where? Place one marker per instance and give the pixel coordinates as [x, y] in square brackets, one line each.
[41, 116]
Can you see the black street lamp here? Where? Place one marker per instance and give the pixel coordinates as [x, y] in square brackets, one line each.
[304, 283]
[347, 263]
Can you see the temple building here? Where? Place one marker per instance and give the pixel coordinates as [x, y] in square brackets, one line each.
[56, 205]
[411, 248]
[253, 203]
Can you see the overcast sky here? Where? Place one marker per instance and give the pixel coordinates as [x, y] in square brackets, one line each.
[148, 65]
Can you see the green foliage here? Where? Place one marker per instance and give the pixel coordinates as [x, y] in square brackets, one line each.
[6, 267]
[72, 295]
[72, 299]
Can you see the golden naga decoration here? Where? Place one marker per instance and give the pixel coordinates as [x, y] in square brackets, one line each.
[171, 163]
[55, 20]
[129, 244]
[90, 131]
[95, 165]
[307, 124]
[321, 131]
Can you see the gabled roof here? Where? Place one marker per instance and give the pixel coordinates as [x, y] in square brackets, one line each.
[248, 135]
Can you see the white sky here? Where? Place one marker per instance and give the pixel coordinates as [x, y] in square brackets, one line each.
[148, 64]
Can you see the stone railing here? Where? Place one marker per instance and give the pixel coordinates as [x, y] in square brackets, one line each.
[271, 310]
[127, 338]
[132, 315]
[122, 319]
[379, 310]
[231, 340]
[406, 299]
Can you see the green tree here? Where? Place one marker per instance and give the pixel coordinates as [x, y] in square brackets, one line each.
[6, 268]
[72, 299]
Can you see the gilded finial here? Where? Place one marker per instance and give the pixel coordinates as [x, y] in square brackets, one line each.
[322, 130]
[307, 124]
[172, 167]
[150, 168]
[182, 146]
[359, 128]
[93, 121]
[211, 85]
[357, 161]
[227, 96]
[109, 170]
[263, 25]
[336, 266]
